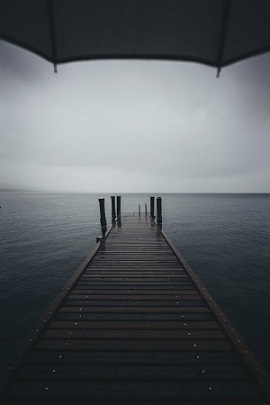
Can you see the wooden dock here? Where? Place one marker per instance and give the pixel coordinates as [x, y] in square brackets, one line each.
[134, 325]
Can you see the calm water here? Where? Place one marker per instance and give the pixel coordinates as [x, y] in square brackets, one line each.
[225, 238]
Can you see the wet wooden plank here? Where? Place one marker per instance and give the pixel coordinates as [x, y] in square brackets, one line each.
[161, 358]
[137, 297]
[179, 311]
[127, 334]
[132, 292]
[165, 325]
[98, 285]
[247, 401]
[138, 390]
[142, 285]
[132, 302]
[145, 372]
[130, 273]
[136, 268]
[123, 315]
[134, 344]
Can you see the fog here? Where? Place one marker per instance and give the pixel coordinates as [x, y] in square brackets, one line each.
[133, 126]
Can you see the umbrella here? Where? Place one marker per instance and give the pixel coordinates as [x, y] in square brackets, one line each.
[213, 32]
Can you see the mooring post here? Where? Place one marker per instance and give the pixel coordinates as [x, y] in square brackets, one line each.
[113, 209]
[152, 207]
[159, 212]
[118, 206]
[139, 210]
[118, 199]
[145, 208]
[102, 216]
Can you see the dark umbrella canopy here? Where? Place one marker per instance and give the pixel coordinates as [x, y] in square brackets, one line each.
[214, 32]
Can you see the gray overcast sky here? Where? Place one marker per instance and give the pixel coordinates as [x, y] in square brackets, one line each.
[133, 126]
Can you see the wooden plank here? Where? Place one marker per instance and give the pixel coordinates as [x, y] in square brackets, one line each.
[154, 270]
[134, 303]
[131, 373]
[161, 358]
[135, 402]
[134, 344]
[150, 267]
[124, 315]
[178, 312]
[133, 287]
[127, 334]
[129, 284]
[112, 391]
[137, 297]
[185, 285]
[132, 292]
[134, 277]
[167, 325]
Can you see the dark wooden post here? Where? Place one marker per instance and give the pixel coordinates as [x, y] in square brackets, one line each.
[152, 207]
[113, 209]
[159, 211]
[139, 210]
[118, 206]
[118, 198]
[145, 207]
[102, 216]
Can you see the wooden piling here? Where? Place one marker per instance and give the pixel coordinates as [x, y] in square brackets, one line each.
[118, 199]
[159, 212]
[118, 206]
[152, 207]
[113, 209]
[103, 221]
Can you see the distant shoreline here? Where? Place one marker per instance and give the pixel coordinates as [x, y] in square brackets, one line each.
[9, 190]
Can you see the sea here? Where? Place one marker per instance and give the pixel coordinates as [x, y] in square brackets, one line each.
[44, 237]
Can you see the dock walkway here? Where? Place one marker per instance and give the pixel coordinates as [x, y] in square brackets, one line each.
[134, 325]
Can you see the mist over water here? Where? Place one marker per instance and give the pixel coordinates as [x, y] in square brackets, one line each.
[225, 238]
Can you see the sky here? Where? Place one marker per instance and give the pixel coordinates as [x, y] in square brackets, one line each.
[133, 126]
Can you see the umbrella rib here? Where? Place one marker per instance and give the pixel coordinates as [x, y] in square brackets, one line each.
[52, 33]
[223, 34]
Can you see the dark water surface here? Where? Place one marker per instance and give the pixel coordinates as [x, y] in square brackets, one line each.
[224, 237]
